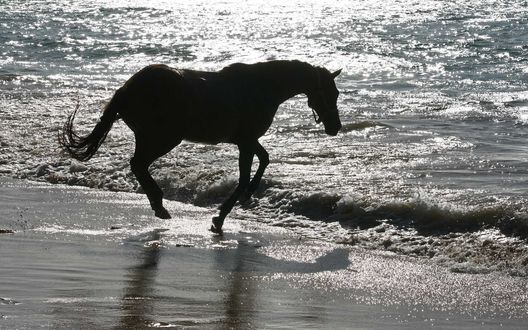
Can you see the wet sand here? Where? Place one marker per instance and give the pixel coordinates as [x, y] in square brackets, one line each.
[81, 258]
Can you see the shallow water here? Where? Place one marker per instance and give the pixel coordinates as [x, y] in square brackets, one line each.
[111, 264]
[431, 160]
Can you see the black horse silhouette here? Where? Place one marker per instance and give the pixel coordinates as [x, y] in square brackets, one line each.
[164, 106]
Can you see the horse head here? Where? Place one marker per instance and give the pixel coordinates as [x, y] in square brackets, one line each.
[322, 98]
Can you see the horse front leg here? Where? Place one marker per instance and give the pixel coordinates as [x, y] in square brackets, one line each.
[263, 158]
[247, 151]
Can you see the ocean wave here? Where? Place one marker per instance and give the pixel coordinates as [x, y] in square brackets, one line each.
[205, 187]
[7, 76]
[424, 216]
[361, 125]
[474, 240]
[428, 217]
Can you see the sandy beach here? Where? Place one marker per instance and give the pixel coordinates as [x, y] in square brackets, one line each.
[81, 258]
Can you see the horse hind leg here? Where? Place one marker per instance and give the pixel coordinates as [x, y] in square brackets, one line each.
[144, 155]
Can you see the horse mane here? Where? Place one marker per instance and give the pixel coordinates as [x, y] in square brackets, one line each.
[294, 71]
[280, 65]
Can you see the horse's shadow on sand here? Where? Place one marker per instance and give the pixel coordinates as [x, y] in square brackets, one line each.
[247, 258]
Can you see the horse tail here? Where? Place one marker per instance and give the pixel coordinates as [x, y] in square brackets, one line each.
[84, 147]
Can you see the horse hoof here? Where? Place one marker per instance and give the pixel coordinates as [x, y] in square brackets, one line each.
[162, 213]
[217, 225]
[216, 230]
[244, 199]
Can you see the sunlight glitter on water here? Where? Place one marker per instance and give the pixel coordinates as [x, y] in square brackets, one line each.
[433, 99]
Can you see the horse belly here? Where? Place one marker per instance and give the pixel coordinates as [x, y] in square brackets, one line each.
[210, 130]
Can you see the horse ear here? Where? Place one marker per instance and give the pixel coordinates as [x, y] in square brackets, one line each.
[335, 74]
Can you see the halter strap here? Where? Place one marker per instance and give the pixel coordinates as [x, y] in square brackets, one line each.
[318, 118]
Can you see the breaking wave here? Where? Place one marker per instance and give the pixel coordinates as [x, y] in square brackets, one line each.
[204, 187]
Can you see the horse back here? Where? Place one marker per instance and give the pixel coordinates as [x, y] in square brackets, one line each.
[200, 106]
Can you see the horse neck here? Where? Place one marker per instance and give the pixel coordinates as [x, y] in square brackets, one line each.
[293, 78]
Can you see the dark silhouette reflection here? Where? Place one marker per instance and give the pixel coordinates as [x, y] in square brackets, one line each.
[240, 269]
[245, 261]
[240, 300]
[137, 300]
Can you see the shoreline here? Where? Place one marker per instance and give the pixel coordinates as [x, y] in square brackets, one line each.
[64, 266]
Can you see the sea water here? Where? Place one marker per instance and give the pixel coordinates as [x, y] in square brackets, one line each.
[431, 160]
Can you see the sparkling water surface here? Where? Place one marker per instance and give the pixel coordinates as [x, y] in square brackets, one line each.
[431, 160]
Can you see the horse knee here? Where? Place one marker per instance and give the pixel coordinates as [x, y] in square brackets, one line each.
[263, 157]
[264, 160]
